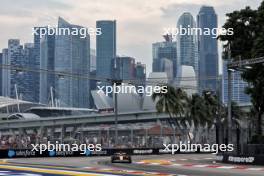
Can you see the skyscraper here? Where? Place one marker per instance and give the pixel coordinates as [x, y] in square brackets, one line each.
[238, 87]
[140, 71]
[208, 50]
[20, 82]
[124, 68]
[16, 81]
[35, 64]
[11, 54]
[167, 66]
[15, 77]
[187, 47]
[1, 74]
[105, 48]
[93, 82]
[5, 74]
[31, 79]
[164, 50]
[72, 55]
[47, 61]
[92, 60]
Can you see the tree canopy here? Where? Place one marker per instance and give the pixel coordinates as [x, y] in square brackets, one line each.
[246, 43]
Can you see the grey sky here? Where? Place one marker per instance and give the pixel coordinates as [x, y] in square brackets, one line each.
[139, 22]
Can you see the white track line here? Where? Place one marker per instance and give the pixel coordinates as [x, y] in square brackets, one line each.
[226, 167]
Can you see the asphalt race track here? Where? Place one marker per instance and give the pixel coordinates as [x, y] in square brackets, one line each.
[162, 165]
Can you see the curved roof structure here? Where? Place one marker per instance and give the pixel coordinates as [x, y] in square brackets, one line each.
[6, 101]
[24, 116]
[9, 105]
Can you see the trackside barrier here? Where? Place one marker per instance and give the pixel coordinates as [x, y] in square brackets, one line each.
[241, 159]
[28, 153]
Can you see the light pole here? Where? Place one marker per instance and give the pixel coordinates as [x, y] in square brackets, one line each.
[229, 108]
[229, 104]
[116, 83]
[116, 115]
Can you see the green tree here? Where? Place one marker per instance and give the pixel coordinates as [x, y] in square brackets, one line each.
[171, 103]
[248, 42]
[237, 113]
[196, 111]
[212, 106]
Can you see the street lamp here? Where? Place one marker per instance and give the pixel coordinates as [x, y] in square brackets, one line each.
[229, 107]
[116, 83]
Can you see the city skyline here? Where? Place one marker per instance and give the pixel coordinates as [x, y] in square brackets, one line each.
[132, 87]
[106, 49]
[147, 21]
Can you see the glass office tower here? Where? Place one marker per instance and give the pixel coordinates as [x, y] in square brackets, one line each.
[47, 62]
[105, 48]
[238, 87]
[5, 74]
[208, 51]
[161, 51]
[1, 73]
[187, 46]
[72, 55]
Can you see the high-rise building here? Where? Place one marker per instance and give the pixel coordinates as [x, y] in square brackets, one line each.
[1, 74]
[105, 48]
[20, 83]
[164, 50]
[12, 56]
[93, 82]
[35, 64]
[5, 74]
[72, 55]
[208, 50]
[187, 47]
[140, 71]
[167, 66]
[17, 79]
[92, 60]
[47, 61]
[238, 87]
[124, 68]
[31, 79]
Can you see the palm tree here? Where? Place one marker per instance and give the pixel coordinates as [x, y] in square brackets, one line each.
[212, 105]
[171, 103]
[213, 111]
[237, 113]
[196, 110]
